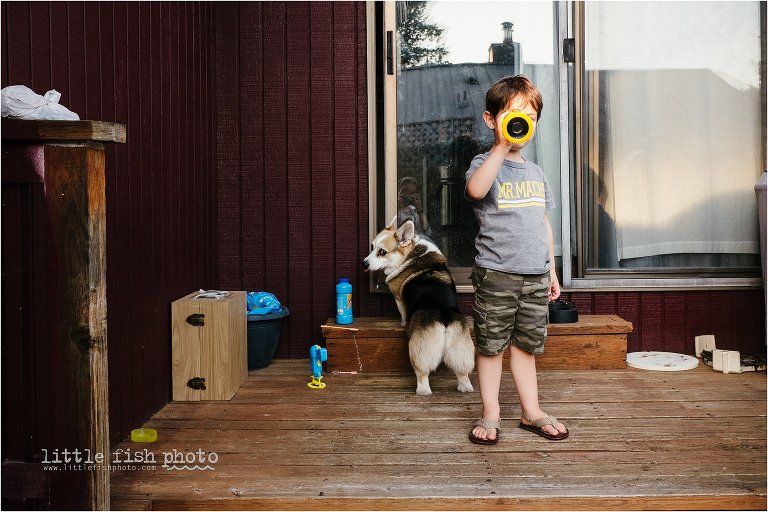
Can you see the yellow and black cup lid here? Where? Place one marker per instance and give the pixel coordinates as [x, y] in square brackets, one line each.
[517, 127]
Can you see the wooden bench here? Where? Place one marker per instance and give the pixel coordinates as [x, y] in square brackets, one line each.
[370, 344]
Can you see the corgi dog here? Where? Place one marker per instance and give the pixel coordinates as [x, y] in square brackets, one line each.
[417, 275]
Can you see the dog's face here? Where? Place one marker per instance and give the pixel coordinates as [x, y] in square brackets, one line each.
[390, 247]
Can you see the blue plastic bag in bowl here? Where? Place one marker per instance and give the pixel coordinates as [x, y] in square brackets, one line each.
[262, 303]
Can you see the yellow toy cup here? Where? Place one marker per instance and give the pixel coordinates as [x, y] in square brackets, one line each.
[517, 127]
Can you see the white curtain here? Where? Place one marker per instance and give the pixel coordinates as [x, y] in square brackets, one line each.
[684, 158]
[674, 113]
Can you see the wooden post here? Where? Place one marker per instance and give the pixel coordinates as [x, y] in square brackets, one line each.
[76, 210]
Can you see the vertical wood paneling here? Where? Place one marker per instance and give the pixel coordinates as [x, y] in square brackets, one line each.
[76, 60]
[16, 319]
[40, 41]
[158, 338]
[44, 358]
[175, 146]
[92, 61]
[136, 74]
[583, 302]
[276, 120]
[651, 320]
[605, 303]
[674, 323]
[228, 199]
[346, 187]
[59, 51]
[253, 168]
[697, 314]
[721, 314]
[5, 44]
[145, 65]
[323, 252]
[119, 358]
[746, 324]
[185, 161]
[300, 218]
[18, 49]
[628, 308]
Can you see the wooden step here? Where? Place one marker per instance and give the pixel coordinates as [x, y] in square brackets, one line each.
[376, 344]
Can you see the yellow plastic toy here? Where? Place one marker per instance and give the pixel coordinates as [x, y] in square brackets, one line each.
[143, 435]
[517, 127]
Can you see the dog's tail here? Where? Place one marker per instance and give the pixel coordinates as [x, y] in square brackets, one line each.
[448, 316]
[435, 315]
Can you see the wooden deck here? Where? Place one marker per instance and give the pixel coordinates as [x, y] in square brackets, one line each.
[639, 440]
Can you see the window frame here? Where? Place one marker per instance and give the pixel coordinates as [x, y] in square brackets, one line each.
[382, 161]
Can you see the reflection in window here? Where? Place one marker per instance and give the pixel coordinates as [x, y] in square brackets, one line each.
[443, 72]
[674, 145]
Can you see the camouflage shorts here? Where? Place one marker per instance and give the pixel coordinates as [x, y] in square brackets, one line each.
[510, 308]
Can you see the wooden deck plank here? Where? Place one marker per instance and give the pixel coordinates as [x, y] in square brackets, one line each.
[443, 411]
[494, 503]
[640, 440]
[735, 452]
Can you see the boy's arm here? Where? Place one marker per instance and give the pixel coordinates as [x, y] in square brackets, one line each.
[482, 180]
[554, 286]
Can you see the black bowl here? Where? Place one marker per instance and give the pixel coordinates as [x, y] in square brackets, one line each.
[561, 312]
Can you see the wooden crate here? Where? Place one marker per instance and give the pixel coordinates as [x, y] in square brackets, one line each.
[595, 342]
[215, 351]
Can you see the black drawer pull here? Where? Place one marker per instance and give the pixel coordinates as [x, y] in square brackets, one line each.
[196, 319]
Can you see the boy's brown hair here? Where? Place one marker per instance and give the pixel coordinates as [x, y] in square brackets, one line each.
[509, 87]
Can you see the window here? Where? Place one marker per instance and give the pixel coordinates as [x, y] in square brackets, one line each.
[434, 97]
[655, 136]
[673, 144]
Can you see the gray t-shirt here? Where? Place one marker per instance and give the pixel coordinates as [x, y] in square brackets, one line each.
[513, 236]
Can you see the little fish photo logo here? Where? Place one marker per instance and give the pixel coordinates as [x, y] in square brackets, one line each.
[190, 461]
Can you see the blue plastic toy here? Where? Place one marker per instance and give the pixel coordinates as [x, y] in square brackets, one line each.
[316, 357]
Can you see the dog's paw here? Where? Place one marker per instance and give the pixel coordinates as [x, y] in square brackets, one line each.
[465, 387]
[425, 391]
[402, 323]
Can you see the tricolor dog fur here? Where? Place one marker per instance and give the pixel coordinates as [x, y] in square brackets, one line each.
[425, 293]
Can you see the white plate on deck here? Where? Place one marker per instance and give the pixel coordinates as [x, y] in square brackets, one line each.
[661, 361]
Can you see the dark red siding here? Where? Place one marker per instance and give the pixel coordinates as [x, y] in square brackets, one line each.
[669, 321]
[145, 65]
[293, 159]
[293, 184]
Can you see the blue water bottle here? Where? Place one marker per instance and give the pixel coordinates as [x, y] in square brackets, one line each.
[343, 302]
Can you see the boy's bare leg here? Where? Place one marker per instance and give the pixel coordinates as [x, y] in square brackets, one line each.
[489, 369]
[523, 366]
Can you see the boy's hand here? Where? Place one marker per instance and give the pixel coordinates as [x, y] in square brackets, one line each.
[501, 140]
[554, 287]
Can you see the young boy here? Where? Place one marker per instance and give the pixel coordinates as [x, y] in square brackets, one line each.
[514, 273]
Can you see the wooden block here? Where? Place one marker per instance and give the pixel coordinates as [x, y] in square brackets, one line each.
[379, 354]
[215, 351]
[376, 344]
[584, 352]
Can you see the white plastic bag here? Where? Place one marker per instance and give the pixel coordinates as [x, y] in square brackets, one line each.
[21, 102]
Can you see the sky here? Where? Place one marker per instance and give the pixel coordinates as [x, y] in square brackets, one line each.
[471, 27]
[722, 36]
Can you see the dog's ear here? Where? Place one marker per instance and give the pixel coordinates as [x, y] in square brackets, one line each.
[392, 226]
[405, 234]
